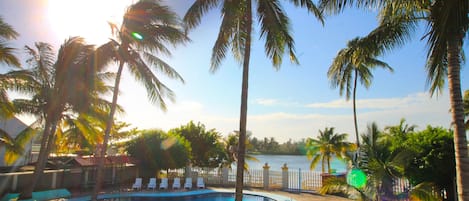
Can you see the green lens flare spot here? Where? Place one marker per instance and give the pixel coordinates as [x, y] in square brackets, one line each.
[356, 178]
[137, 36]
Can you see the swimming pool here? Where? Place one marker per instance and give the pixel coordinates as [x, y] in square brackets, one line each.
[197, 195]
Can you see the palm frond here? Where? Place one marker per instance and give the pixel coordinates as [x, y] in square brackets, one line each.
[162, 66]
[311, 8]
[7, 55]
[194, 15]
[231, 33]
[156, 90]
[275, 27]
[7, 32]
[337, 6]
[424, 191]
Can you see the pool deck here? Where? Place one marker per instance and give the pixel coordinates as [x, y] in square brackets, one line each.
[78, 196]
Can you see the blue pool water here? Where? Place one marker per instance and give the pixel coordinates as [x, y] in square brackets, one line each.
[194, 195]
[202, 197]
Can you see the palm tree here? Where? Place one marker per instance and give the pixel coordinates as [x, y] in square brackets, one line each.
[327, 145]
[231, 153]
[350, 64]
[6, 53]
[6, 57]
[447, 27]
[398, 133]
[59, 86]
[147, 25]
[382, 167]
[236, 31]
[466, 107]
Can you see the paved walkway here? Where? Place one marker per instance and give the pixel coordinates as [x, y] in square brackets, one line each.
[306, 196]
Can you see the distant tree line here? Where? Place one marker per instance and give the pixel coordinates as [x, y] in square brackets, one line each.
[272, 146]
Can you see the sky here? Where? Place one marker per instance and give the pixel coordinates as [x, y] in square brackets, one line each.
[293, 102]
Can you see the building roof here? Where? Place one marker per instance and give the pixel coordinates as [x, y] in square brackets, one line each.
[87, 161]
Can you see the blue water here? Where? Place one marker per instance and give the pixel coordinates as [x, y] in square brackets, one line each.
[203, 197]
[294, 162]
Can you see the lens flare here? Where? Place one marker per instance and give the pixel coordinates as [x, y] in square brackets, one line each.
[137, 36]
[168, 143]
[356, 178]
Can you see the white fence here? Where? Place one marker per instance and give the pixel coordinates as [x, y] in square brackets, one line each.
[285, 179]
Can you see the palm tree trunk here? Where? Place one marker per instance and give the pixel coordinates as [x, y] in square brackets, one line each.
[323, 165]
[457, 111]
[47, 140]
[329, 165]
[355, 107]
[244, 107]
[107, 132]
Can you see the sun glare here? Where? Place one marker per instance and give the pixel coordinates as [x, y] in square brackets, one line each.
[86, 18]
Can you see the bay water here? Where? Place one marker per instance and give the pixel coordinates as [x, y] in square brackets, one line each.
[294, 162]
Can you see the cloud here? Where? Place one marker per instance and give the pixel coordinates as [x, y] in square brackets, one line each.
[266, 102]
[418, 109]
[376, 103]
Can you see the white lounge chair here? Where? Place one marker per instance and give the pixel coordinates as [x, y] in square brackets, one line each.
[200, 182]
[188, 183]
[152, 184]
[164, 183]
[138, 184]
[177, 183]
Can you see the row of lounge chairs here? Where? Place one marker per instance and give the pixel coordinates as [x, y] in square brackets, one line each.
[164, 183]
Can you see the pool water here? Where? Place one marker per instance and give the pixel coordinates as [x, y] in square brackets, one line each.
[202, 197]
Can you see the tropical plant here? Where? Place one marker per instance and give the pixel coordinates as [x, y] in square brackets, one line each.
[447, 28]
[236, 31]
[59, 87]
[398, 134]
[11, 80]
[327, 145]
[433, 159]
[157, 151]
[231, 152]
[350, 65]
[145, 29]
[7, 32]
[207, 147]
[382, 167]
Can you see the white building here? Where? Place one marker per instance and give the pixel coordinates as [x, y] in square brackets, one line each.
[13, 127]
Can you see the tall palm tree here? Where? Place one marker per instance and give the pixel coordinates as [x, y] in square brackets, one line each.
[58, 85]
[447, 28]
[351, 64]
[146, 27]
[236, 31]
[327, 145]
[466, 107]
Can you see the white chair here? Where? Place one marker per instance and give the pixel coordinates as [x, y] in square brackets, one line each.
[164, 183]
[152, 184]
[138, 184]
[200, 182]
[177, 183]
[188, 183]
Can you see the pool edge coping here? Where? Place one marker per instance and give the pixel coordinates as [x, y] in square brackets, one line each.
[180, 193]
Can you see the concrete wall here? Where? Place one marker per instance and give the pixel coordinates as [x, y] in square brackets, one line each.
[68, 178]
